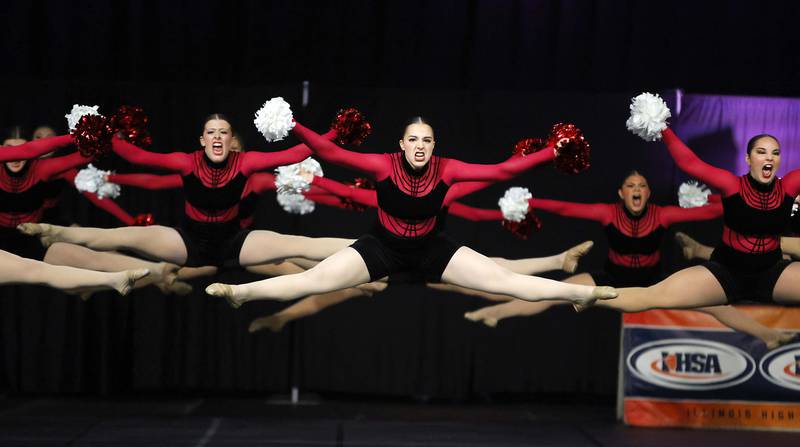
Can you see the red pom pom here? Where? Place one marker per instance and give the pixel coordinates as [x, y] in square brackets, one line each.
[351, 127]
[572, 149]
[93, 135]
[527, 146]
[144, 220]
[131, 124]
[522, 228]
[358, 183]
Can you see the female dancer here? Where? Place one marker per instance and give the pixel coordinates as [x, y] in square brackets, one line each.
[412, 187]
[17, 178]
[213, 180]
[567, 260]
[747, 264]
[635, 229]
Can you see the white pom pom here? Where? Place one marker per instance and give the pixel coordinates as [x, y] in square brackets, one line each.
[108, 189]
[288, 179]
[514, 203]
[274, 119]
[649, 115]
[295, 203]
[692, 194]
[93, 180]
[77, 112]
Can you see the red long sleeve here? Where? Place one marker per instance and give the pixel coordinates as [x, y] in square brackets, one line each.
[367, 197]
[258, 183]
[324, 198]
[377, 165]
[35, 148]
[671, 215]
[462, 189]
[50, 168]
[691, 164]
[791, 183]
[174, 161]
[600, 212]
[147, 181]
[259, 161]
[459, 171]
[474, 214]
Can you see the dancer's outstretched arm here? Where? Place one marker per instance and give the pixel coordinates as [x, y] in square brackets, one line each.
[35, 148]
[691, 164]
[253, 161]
[173, 161]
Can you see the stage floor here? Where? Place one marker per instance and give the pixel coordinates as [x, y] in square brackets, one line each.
[249, 421]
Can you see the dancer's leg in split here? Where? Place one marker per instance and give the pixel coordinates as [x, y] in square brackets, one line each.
[491, 315]
[263, 246]
[306, 307]
[787, 289]
[791, 246]
[162, 274]
[18, 270]
[689, 288]
[344, 269]
[691, 248]
[741, 322]
[566, 261]
[155, 242]
[471, 269]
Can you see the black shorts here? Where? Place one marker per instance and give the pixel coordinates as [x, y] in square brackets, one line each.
[747, 286]
[617, 276]
[217, 244]
[386, 254]
[22, 245]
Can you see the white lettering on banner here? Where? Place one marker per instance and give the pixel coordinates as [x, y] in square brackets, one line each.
[690, 364]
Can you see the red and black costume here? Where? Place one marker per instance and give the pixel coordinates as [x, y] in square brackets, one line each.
[410, 202]
[213, 191]
[24, 194]
[748, 261]
[634, 253]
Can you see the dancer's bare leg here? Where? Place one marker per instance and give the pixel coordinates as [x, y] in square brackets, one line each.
[275, 269]
[307, 306]
[566, 261]
[686, 289]
[469, 292]
[157, 242]
[17, 270]
[263, 246]
[491, 315]
[471, 269]
[787, 289]
[693, 249]
[162, 274]
[791, 246]
[741, 322]
[344, 269]
[190, 273]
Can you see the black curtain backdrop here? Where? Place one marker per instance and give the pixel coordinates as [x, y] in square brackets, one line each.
[715, 46]
[486, 73]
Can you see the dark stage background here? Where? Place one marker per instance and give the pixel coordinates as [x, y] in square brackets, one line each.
[485, 73]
